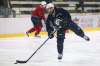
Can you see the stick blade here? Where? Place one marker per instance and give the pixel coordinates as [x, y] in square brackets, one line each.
[18, 61]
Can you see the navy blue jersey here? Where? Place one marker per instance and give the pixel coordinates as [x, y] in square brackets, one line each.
[59, 17]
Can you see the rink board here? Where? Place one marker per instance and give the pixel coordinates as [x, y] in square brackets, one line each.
[42, 34]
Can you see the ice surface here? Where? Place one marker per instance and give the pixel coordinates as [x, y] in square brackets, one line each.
[77, 51]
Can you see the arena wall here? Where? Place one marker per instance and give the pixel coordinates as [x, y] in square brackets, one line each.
[21, 25]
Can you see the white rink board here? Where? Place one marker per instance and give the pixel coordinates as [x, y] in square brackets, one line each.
[21, 25]
[87, 21]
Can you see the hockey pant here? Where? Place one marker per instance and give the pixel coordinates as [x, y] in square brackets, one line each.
[75, 28]
[35, 20]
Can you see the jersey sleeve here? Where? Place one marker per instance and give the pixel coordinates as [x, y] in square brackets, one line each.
[49, 25]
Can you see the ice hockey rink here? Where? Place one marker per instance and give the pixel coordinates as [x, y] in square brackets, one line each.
[77, 51]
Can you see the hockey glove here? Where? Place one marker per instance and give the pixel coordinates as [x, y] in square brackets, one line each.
[51, 36]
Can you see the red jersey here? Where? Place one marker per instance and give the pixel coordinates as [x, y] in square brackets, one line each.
[39, 12]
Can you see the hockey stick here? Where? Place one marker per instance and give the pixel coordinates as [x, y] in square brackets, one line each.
[19, 61]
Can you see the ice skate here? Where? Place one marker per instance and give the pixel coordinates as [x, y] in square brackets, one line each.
[60, 56]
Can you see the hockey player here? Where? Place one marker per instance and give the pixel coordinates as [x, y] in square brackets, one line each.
[59, 19]
[36, 18]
